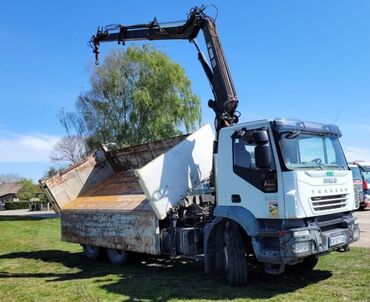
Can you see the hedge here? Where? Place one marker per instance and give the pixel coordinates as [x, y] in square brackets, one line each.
[16, 205]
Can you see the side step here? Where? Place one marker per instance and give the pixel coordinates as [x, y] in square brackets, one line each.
[274, 269]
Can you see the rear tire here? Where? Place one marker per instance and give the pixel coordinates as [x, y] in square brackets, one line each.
[91, 252]
[235, 256]
[117, 256]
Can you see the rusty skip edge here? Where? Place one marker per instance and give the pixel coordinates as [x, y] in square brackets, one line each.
[132, 232]
[123, 159]
[135, 157]
[62, 175]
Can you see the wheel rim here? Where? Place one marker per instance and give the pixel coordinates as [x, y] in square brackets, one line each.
[90, 249]
[226, 258]
[117, 252]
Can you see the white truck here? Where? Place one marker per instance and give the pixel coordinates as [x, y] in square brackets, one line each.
[364, 177]
[279, 191]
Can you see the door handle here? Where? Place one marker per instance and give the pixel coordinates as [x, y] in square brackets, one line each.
[235, 198]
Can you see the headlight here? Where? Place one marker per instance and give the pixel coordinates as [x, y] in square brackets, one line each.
[303, 233]
[302, 247]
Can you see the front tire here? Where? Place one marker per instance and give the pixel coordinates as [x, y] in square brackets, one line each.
[91, 252]
[235, 256]
[308, 263]
[117, 256]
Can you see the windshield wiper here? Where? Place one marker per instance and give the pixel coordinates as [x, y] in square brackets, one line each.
[310, 167]
[334, 166]
[293, 134]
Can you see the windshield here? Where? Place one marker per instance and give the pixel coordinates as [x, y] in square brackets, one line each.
[366, 173]
[309, 151]
[356, 174]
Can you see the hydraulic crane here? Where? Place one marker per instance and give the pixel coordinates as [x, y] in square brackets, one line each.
[225, 99]
[280, 191]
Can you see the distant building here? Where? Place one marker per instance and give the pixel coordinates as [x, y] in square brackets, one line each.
[9, 191]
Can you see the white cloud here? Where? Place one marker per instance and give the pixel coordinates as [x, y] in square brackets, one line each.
[16, 147]
[355, 153]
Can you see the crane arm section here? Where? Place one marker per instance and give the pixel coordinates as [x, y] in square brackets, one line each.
[217, 72]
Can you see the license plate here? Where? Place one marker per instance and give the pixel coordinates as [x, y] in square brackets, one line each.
[337, 239]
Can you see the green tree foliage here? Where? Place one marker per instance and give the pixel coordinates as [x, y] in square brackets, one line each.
[136, 95]
[28, 189]
[53, 170]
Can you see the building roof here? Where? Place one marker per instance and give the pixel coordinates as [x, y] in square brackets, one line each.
[9, 188]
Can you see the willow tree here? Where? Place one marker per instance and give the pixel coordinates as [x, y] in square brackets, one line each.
[136, 95]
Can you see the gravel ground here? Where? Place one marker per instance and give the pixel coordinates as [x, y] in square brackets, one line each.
[364, 222]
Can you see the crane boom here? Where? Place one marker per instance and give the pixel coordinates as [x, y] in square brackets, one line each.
[225, 99]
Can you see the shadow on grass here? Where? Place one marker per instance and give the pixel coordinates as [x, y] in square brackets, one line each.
[161, 279]
[29, 218]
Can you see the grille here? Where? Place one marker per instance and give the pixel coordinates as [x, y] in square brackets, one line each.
[330, 202]
[359, 195]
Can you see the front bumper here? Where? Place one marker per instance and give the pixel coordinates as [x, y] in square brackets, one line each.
[316, 237]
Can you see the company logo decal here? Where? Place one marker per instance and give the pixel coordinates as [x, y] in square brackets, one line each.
[328, 181]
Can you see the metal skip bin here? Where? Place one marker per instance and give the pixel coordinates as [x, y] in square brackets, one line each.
[114, 214]
[101, 202]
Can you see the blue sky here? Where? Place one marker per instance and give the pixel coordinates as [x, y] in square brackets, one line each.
[300, 59]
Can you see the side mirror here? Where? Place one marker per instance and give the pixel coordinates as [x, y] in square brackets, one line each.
[263, 156]
[260, 137]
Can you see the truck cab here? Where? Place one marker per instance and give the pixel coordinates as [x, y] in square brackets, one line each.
[287, 185]
[357, 184]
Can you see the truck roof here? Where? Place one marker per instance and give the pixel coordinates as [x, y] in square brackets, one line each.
[283, 124]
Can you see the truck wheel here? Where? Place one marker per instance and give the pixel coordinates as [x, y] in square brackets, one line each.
[235, 256]
[91, 252]
[117, 256]
[308, 263]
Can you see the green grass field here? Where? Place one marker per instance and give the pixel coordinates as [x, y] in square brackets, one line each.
[36, 266]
